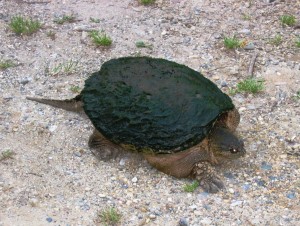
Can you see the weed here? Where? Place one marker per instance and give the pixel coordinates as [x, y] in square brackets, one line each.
[231, 43]
[66, 67]
[288, 20]
[277, 40]
[249, 86]
[4, 64]
[246, 16]
[7, 154]
[75, 89]
[65, 18]
[147, 2]
[191, 187]
[109, 216]
[94, 20]
[296, 97]
[51, 34]
[20, 25]
[100, 38]
[141, 44]
[298, 42]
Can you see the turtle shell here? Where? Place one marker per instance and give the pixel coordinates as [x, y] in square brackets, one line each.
[152, 104]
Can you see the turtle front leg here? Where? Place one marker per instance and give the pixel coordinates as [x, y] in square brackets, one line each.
[102, 148]
[205, 173]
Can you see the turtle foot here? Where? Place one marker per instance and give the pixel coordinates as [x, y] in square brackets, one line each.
[102, 148]
[204, 172]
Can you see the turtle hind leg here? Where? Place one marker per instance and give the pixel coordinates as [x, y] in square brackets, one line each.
[102, 148]
[204, 173]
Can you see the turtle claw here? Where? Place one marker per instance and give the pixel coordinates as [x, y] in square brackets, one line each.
[212, 184]
[204, 172]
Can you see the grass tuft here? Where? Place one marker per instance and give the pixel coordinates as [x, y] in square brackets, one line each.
[100, 38]
[75, 89]
[191, 187]
[142, 44]
[231, 42]
[67, 67]
[109, 216]
[7, 154]
[297, 43]
[288, 20]
[249, 86]
[21, 25]
[277, 40]
[4, 64]
[94, 20]
[147, 2]
[65, 19]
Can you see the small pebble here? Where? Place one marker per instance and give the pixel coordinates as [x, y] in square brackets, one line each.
[152, 216]
[49, 219]
[249, 46]
[231, 190]
[134, 180]
[183, 222]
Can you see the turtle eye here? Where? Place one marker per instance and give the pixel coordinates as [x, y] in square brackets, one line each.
[233, 150]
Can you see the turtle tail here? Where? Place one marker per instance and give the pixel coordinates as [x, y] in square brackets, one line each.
[74, 105]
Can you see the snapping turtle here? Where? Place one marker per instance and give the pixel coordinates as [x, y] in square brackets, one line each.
[179, 120]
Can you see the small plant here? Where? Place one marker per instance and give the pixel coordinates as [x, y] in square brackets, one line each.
[66, 67]
[296, 96]
[109, 216]
[75, 89]
[65, 18]
[246, 16]
[100, 38]
[51, 34]
[7, 154]
[94, 20]
[147, 2]
[288, 20]
[141, 44]
[20, 25]
[298, 42]
[4, 64]
[277, 40]
[231, 43]
[191, 187]
[249, 86]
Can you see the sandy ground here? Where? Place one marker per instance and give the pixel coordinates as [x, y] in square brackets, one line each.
[53, 179]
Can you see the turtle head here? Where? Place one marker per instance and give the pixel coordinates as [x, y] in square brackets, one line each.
[225, 144]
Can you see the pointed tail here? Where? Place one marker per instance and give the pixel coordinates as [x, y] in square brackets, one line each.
[74, 105]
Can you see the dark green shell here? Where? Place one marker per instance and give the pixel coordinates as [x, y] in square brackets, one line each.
[152, 104]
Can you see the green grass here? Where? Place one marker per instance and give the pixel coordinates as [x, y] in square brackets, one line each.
[288, 20]
[298, 42]
[277, 40]
[100, 38]
[109, 216]
[65, 19]
[248, 86]
[191, 187]
[94, 20]
[7, 154]
[246, 16]
[231, 42]
[4, 64]
[67, 67]
[51, 34]
[141, 44]
[147, 2]
[23, 26]
[75, 89]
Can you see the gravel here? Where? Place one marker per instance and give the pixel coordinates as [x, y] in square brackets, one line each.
[54, 179]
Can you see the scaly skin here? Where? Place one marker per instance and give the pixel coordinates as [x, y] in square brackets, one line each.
[196, 162]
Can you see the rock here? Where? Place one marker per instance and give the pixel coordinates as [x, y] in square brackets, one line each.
[183, 222]
[152, 216]
[245, 31]
[49, 219]
[134, 180]
[249, 46]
